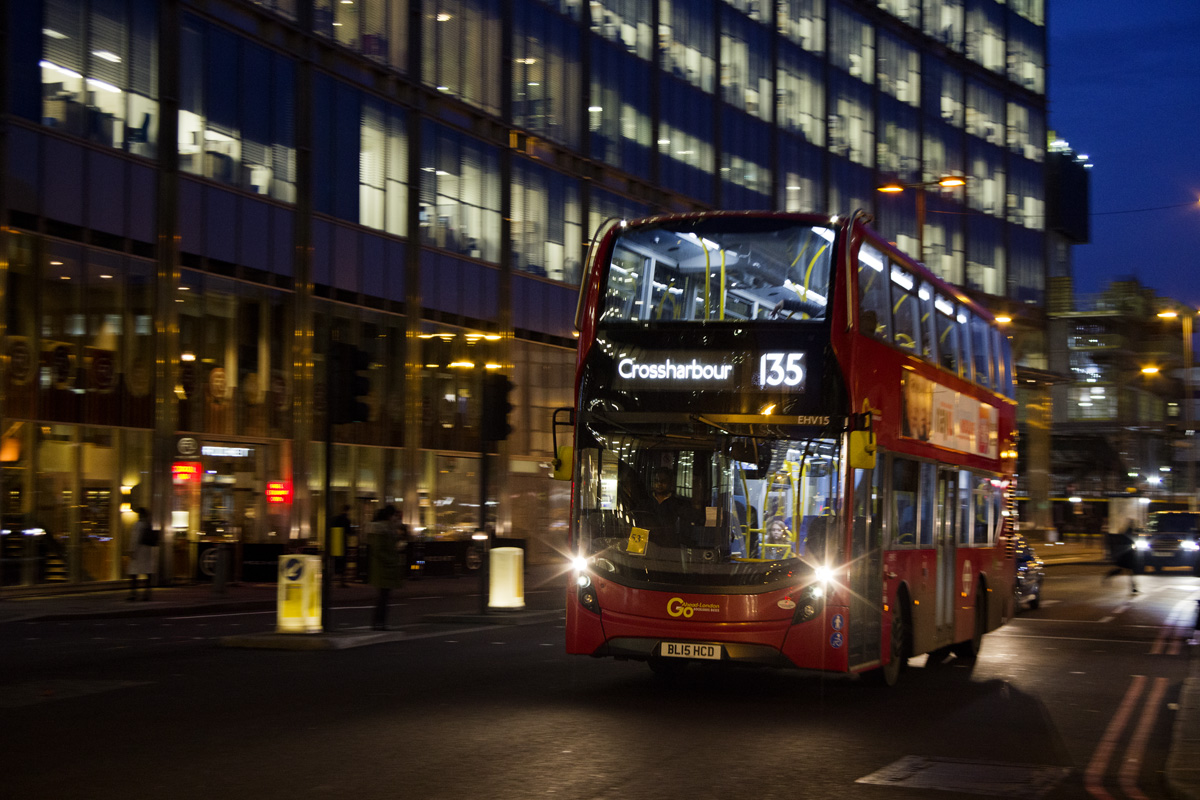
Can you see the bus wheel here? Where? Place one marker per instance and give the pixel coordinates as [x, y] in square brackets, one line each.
[969, 650]
[889, 673]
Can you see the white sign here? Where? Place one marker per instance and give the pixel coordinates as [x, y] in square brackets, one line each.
[226, 452]
[669, 370]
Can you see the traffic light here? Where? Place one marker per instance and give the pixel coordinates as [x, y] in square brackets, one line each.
[494, 407]
[348, 389]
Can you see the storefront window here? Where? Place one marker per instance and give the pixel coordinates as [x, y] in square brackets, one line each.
[233, 351]
[47, 539]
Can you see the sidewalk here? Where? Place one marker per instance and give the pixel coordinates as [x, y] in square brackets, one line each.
[199, 598]
[1068, 548]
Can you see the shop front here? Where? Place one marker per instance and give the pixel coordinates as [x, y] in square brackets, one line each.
[230, 508]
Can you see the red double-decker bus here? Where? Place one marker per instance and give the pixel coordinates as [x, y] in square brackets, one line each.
[792, 447]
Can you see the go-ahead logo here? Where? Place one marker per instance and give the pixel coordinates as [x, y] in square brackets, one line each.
[678, 607]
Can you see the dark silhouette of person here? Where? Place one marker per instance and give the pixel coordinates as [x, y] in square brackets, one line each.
[143, 552]
[387, 566]
[1122, 551]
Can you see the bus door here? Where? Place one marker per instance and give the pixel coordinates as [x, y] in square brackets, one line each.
[946, 535]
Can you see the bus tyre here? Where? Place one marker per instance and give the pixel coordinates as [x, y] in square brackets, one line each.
[898, 652]
[969, 650]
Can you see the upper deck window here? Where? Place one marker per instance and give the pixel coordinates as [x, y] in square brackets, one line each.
[727, 270]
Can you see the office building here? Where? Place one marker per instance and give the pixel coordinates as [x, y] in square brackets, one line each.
[202, 198]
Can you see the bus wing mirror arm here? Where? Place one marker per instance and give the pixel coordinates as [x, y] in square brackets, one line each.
[564, 457]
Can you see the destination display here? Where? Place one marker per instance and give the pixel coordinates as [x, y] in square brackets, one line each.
[785, 370]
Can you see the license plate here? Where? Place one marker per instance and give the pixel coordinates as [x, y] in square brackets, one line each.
[691, 650]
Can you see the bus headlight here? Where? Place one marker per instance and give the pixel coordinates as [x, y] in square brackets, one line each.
[588, 598]
[823, 574]
[579, 563]
[809, 603]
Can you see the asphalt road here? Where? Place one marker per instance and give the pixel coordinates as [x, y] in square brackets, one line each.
[1074, 700]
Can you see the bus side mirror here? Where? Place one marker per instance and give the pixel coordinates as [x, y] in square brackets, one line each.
[564, 463]
[862, 449]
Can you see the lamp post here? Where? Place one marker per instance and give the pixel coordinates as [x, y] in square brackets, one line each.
[1188, 433]
[946, 182]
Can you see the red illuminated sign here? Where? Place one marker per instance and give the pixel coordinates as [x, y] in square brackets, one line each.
[279, 491]
[185, 472]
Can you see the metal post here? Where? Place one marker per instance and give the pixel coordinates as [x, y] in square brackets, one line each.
[482, 538]
[326, 506]
[921, 224]
[1188, 420]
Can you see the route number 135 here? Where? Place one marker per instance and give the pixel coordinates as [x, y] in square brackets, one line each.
[781, 369]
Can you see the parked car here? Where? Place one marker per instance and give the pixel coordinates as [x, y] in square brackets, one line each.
[1171, 539]
[1031, 573]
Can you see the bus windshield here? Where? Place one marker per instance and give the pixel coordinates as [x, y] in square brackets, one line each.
[724, 511]
[719, 269]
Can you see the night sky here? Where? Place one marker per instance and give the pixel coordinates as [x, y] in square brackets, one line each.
[1125, 89]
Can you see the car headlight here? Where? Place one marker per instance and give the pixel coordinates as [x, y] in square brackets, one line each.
[1142, 544]
[1189, 544]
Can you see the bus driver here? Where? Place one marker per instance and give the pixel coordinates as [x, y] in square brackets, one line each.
[667, 514]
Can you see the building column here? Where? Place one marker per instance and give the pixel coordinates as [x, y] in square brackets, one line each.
[1037, 461]
[166, 315]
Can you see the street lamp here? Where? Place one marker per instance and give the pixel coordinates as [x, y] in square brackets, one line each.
[1188, 432]
[946, 182]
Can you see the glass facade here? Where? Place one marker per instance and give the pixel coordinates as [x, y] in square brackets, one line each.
[424, 188]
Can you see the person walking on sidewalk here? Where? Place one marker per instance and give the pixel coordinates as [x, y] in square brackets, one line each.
[143, 549]
[1122, 550]
[386, 569]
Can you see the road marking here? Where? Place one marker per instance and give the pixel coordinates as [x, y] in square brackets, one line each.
[1093, 777]
[1137, 745]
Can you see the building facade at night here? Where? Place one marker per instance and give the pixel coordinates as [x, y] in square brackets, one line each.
[200, 196]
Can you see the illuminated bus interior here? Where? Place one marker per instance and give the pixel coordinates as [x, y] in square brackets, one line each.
[725, 269]
[746, 511]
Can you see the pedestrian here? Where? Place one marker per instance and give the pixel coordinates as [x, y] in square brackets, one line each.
[386, 566]
[339, 542]
[143, 554]
[1122, 550]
